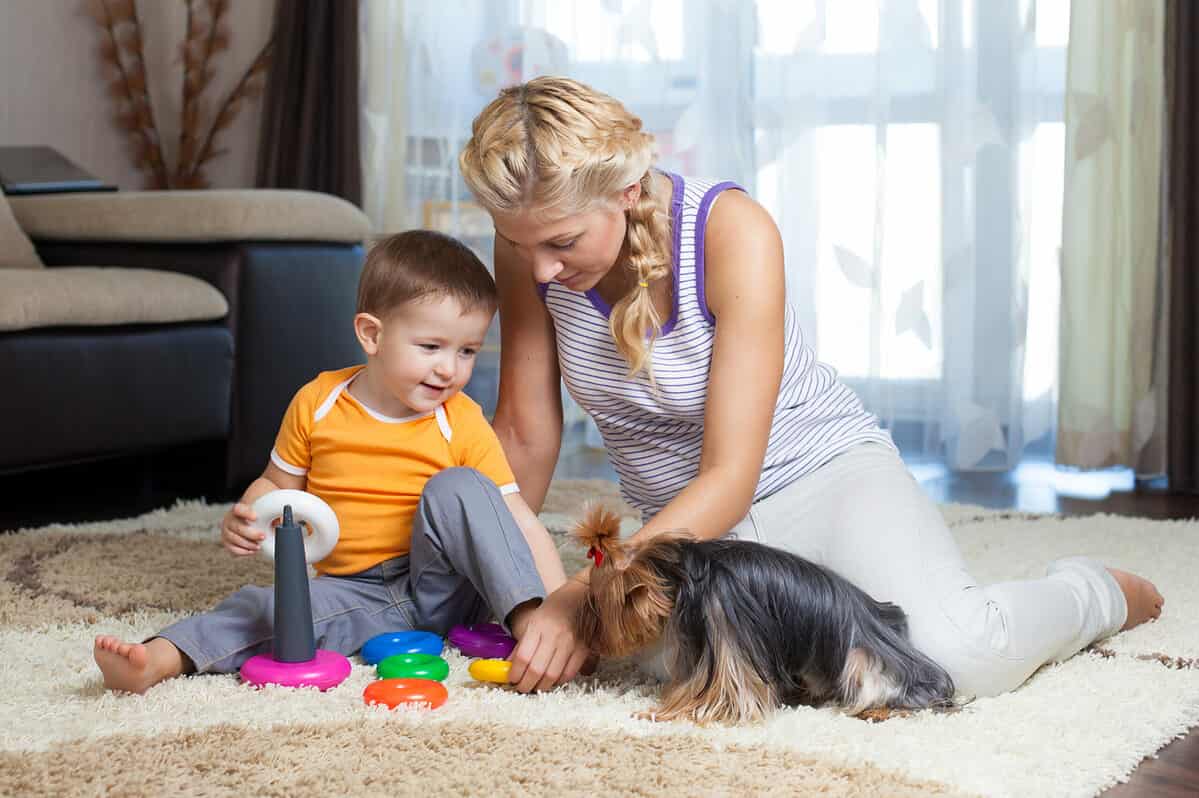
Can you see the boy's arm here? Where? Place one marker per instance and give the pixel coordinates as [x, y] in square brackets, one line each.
[548, 652]
[237, 532]
[273, 478]
[545, 555]
[481, 450]
[287, 467]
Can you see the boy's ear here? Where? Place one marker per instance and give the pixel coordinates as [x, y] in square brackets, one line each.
[368, 329]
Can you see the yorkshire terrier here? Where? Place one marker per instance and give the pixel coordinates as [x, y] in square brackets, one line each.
[744, 627]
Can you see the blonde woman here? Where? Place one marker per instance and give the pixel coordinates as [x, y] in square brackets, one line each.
[660, 301]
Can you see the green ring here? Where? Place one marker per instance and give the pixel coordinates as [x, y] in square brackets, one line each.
[413, 666]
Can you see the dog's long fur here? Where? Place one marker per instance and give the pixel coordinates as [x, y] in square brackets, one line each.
[747, 627]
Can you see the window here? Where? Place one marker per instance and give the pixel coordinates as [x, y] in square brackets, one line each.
[911, 152]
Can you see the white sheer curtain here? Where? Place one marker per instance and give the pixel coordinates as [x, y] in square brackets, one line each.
[1113, 394]
[911, 152]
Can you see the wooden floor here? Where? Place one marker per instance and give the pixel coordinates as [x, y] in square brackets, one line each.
[103, 491]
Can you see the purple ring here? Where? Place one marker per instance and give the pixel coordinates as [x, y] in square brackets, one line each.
[488, 640]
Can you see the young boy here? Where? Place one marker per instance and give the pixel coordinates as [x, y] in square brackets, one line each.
[432, 529]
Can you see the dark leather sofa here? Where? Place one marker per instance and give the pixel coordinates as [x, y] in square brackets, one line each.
[74, 388]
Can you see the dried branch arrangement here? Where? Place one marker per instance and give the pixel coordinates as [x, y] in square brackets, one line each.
[121, 56]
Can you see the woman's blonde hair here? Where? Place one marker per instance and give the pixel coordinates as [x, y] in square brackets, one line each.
[554, 144]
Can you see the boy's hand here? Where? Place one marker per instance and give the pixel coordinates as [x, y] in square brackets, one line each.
[236, 533]
[548, 652]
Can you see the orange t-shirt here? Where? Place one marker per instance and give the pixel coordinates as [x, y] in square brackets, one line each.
[371, 468]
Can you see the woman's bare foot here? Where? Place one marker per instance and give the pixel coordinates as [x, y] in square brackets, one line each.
[136, 667]
[1144, 602]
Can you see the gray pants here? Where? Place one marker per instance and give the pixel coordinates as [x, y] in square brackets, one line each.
[469, 561]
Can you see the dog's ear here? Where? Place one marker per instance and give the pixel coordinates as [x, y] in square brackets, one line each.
[599, 531]
[587, 622]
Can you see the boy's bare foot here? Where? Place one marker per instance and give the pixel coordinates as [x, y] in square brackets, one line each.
[1144, 602]
[136, 667]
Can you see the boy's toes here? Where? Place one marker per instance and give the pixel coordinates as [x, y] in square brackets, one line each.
[136, 654]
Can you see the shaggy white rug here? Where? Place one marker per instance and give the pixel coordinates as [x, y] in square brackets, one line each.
[1072, 730]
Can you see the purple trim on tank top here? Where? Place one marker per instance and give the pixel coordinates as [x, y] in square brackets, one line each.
[676, 222]
[599, 303]
[543, 289]
[701, 224]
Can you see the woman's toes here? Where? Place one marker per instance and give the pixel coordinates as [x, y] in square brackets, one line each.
[1143, 599]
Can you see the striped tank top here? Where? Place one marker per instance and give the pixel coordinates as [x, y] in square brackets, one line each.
[654, 438]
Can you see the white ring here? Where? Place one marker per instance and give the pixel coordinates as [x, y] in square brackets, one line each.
[319, 517]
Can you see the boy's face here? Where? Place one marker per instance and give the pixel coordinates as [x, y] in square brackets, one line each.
[424, 352]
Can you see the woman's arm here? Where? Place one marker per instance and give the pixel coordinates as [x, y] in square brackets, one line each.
[743, 272]
[528, 416]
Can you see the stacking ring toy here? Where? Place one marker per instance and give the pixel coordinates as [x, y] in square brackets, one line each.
[487, 640]
[491, 670]
[294, 661]
[318, 516]
[326, 669]
[388, 644]
[414, 666]
[393, 692]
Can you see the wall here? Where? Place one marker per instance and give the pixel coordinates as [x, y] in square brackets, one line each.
[52, 91]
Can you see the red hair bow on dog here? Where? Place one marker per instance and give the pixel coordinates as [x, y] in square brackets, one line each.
[594, 553]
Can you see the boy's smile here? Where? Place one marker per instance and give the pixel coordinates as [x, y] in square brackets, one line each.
[419, 356]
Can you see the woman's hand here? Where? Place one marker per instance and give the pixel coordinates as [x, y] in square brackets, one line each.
[548, 652]
[237, 534]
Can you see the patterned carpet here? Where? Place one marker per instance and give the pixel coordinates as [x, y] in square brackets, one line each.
[1071, 730]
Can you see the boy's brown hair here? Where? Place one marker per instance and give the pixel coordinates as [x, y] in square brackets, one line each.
[416, 264]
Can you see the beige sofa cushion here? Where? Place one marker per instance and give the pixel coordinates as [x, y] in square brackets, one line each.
[16, 250]
[194, 216]
[88, 296]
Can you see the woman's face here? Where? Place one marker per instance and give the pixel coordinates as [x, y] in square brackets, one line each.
[576, 251]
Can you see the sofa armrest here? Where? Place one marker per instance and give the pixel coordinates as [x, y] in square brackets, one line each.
[296, 309]
[191, 216]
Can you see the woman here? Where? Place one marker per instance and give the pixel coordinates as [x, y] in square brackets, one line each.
[660, 301]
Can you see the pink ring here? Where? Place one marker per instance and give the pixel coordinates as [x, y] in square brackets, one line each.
[487, 640]
[327, 669]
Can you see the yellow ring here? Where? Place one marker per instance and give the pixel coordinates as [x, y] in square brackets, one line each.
[491, 670]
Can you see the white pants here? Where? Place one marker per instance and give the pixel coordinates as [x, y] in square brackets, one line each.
[864, 516]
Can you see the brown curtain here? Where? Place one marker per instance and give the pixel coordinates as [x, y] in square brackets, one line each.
[1182, 97]
[310, 109]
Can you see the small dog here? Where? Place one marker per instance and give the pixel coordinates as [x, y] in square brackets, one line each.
[745, 627]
